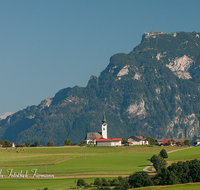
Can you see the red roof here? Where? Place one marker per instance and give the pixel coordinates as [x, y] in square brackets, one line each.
[198, 140]
[141, 138]
[129, 142]
[165, 141]
[111, 139]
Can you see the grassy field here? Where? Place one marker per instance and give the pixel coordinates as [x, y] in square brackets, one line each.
[185, 154]
[193, 186]
[66, 163]
[108, 164]
[55, 155]
[32, 184]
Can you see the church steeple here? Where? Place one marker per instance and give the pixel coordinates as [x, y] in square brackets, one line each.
[104, 118]
[104, 127]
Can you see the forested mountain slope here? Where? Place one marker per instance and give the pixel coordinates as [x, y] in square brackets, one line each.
[154, 90]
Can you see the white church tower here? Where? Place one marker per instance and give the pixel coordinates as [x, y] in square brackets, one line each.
[104, 127]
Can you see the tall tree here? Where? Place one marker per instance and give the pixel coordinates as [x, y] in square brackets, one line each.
[163, 153]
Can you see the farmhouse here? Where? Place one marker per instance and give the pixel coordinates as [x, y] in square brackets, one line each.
[181, 141]
[167, 142]
[198, 141]
[137, 140]
[1, 145]
[92, 136]
[12, 144]
[109, 142]
[159, 141]
[170, 142]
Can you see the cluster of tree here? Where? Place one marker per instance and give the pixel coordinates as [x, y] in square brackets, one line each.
[180, 172]
[67, 142]
[28, 144]
[119, 183]
[158, 161]
[177, 173]
[83, 143]
[50, 143]
[5, 143]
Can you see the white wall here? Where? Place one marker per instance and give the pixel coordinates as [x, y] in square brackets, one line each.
[109, 143]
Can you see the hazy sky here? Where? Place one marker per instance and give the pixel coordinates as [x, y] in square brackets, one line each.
[47, 45]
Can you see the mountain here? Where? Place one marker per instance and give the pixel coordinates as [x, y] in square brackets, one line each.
[154, 90]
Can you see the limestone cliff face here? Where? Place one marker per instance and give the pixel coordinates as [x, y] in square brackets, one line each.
[181, 66]
[153, 90]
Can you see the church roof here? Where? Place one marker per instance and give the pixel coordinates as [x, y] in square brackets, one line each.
[93, 135]
[108, 140]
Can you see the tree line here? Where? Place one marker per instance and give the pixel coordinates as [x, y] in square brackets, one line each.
[7, 143]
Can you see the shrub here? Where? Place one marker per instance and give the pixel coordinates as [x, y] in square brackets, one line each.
[50, 143]
[80, 182]
[98, 182]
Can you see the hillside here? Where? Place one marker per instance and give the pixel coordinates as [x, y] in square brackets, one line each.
[153, 90]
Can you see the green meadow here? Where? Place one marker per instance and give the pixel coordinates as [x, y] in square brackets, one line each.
[193, 186]
[32, 184]
[185, 154]
[70, 162]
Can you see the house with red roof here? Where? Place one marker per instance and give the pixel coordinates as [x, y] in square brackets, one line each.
[167, 142]
[100, 138]
[1, 145]
[92, 136]
[12, 144]
[198, 142]
[137, 140]
[109, 142]
[170, 142]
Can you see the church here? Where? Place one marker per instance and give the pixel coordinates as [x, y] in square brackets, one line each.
[100, 138]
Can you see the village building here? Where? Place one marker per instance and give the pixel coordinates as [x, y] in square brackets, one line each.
[12, 144]
[167, 142]
[170, 142]
[137, 140]
[101, 138]
[198, 142]
[159, 141]
[109, 142]
[181, 141]
[92, 136]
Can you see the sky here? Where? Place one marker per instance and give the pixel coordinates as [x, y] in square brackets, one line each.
[48, 45]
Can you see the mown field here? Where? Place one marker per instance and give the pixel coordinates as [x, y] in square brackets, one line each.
[66, 163]
[184, 154]
[192, 186]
